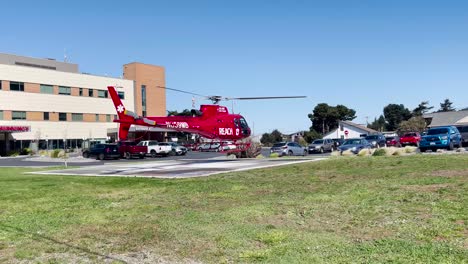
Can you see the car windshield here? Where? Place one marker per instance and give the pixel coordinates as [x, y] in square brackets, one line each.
[318, 141]
[437, 131]
[410, 135]
[390, 138]
[352, 142]
[372, 137]
[278, 145]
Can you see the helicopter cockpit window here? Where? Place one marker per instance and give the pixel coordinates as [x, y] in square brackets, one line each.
[236, 122]
[243, 123]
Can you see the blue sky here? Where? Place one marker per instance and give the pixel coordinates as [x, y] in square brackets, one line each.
[362, 54]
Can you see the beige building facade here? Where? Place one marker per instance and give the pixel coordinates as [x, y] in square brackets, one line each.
[56, 108]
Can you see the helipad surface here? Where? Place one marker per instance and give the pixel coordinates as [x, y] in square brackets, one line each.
[176, 168]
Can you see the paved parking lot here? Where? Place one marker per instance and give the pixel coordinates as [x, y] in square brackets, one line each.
[180, 168]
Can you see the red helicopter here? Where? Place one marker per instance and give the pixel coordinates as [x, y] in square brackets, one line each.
[211, 121]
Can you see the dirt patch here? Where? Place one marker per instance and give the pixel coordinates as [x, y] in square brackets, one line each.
[425, 188]
[448, 173]
[146, 256]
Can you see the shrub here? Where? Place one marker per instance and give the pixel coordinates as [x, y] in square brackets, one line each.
[274, 155]
[13, 153]
[260, 156]
[379, 152]
[26, 151]
[363, 152]
[55, 153]
[410, 149]
[347, 153]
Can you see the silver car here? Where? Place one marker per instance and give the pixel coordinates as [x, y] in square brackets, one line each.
[288, 149]
[321, 145]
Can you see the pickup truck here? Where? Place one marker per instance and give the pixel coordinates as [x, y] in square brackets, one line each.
[155, 148]
[411, 138]
[102, 151]
[129, 149]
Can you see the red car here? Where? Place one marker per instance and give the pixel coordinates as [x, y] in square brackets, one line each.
[393, 141]
[411, 138]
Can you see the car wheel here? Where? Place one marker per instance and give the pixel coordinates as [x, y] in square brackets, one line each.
[322, 150]
[450, 146]
[101, 156]
[142, 156]
[290, 153]
[86, 155]
[305, 153]
[127, 155]
[172, 153]
[153, 153]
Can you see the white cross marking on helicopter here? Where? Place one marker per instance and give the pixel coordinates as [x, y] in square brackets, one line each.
[225, 131]
[120, 108]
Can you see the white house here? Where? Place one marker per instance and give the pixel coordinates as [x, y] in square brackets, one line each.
[348, 129]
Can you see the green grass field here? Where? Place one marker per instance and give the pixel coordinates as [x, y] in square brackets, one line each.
[411, 209]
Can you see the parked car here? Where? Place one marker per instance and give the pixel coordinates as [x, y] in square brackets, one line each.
[227, 145]
[410, 138]
[209, 147]
[464, 134]
[288, 149]
[129, 149]
[441, 137]
[355, 145]
[177, 149]
[190, 146]
[393, 141]
[376, 140]
[164, 149]
[156, 148]
[102, 151]
[338, 142]
[321, 145]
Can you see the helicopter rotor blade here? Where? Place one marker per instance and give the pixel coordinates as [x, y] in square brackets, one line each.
[180, 91]
[263, 97]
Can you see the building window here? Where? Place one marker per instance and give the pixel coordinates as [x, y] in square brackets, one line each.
[143, 100]
[46, 115]
[18, 115]
[97, 117]
[108, 119]
[64, 90]
[90, 92]
[16, 86]
[121, 95]
[341, 127]
[47, 89]
[77, 117]
[62, 116]
[81, 92]
[0, 84]
[1, 114]
[102, 94]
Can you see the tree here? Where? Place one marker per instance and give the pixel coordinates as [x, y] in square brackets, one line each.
[311, 136]
[269, 138]
[395, 114]
[325, 118]
[422, 108]
[446, 106]
[416, 123]
[378, 124]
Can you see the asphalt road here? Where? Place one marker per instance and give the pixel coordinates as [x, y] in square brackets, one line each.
[26, 161]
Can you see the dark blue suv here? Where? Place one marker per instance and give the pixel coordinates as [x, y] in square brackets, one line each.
[440, 137]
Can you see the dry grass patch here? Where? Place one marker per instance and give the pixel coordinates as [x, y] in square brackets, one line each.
[426, 188]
